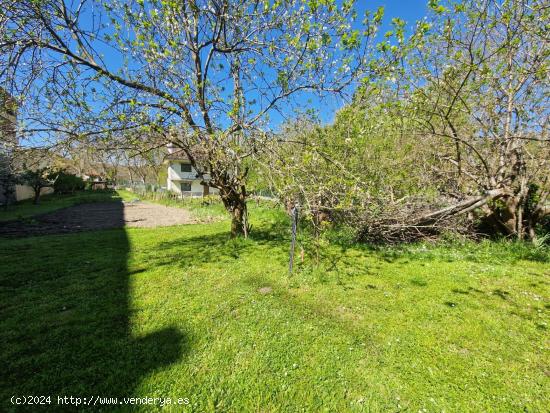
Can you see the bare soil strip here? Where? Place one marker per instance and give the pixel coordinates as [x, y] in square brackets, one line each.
[94, 216]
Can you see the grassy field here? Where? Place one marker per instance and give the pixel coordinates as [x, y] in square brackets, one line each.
[184, 312]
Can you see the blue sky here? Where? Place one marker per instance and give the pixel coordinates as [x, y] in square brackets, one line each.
[408, 10]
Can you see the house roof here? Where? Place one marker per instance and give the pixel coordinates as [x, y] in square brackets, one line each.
[178, 155]
[198, 152]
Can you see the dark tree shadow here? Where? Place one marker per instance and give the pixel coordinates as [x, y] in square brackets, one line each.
[214, 248]
[448, 253]
[66, 319]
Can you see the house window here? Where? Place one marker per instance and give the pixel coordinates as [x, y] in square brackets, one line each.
[186, 187]
[185, 167]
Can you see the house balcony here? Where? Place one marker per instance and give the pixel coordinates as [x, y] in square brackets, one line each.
[185, 176]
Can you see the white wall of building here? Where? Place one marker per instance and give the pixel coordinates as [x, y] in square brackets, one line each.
[176, 177]
[26, 192]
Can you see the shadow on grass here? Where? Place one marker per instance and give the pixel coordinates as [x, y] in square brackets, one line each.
[489, 252]
[26, 210]
[66, 320]
[216, 248]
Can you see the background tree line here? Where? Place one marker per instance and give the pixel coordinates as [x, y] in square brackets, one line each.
[447, 128]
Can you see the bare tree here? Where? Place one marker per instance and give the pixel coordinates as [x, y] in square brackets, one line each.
[205, 73]
[480, 80]
[458, 129]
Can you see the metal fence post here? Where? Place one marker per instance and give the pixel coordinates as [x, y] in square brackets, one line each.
[294, 219]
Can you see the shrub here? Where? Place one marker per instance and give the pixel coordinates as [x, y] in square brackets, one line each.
[66, 183]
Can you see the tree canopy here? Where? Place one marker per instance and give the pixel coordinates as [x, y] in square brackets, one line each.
[447, 122]
[200, 72]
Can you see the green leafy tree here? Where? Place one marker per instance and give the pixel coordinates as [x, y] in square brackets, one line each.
[479, 82]
[37, 179]
[365, 171]
[459, 128]
[65, 182]
[204, 74]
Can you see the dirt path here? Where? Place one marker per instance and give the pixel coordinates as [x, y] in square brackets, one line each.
[94, 216]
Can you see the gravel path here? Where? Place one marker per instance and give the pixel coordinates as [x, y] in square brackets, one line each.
[101, 215]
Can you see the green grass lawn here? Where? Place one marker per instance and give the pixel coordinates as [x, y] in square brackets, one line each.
[49, 203]
[185, 312]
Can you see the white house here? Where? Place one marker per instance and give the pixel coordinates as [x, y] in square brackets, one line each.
[183, 178]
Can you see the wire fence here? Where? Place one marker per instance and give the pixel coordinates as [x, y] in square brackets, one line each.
[158, 192]
[151, 191]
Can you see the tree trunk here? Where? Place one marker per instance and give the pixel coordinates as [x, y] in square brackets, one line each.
[234, 201]
[239, 224]
[36, 199]
[535, 218]
[463, 207]
[531, 229]
[509, 216]
[516, 217]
